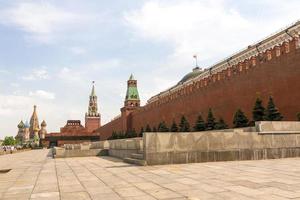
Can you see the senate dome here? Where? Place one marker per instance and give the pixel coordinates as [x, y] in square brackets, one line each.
[196, 71]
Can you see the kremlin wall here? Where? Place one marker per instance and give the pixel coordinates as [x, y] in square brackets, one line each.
[270, 67]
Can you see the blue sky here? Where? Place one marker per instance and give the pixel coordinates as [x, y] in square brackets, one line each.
[51, 51]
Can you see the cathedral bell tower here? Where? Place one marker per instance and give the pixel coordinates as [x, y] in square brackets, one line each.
[34, 123]
[92, 117]
[132, 102]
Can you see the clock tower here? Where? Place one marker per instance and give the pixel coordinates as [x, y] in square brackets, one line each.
[92, 117]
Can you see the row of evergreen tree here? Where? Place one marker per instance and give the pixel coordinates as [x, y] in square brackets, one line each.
[259, 113]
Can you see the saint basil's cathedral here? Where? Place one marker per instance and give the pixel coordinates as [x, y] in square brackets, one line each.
[72, 133]
[31, 131]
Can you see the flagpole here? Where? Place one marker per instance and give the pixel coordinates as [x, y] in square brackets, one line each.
[196, 59]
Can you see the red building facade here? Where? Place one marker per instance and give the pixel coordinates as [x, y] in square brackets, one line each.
[270, 67]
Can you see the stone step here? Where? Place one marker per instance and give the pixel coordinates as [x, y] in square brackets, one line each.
[137, 156]
[135, 161]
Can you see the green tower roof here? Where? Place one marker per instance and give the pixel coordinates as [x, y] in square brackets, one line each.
[131, 77]
[132, 91]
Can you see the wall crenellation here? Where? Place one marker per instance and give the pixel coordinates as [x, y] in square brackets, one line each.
[226, 73]
[282, 38]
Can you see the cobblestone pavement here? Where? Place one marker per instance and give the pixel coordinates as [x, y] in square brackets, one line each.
[35, 175]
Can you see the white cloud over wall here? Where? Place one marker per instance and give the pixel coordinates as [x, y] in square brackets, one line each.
[211, 29]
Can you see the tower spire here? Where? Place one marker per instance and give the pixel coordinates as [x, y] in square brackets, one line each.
[93, 106]
[34, 122]
[93, 93]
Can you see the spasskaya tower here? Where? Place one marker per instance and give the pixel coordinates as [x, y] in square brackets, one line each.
[92, 117]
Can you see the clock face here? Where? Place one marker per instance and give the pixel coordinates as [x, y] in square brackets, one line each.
[93, 109]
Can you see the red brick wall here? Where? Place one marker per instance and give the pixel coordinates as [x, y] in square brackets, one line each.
[107, 129]
[92, 123]
[278, 77]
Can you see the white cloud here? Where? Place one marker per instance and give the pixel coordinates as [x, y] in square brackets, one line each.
[105, 64]
[10, 104]
[15, 85]
[78, 50]
[37, 74]
[4, 71]
[212, 29]
[42, 20]
[42, 94]
[70, 75]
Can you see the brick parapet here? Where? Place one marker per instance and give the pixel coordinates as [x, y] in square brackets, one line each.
[225, 73]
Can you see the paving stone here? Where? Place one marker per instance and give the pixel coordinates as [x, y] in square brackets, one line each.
[99, 190]
[129, 192]
[75, 195]
[71, 188]
[164, 194]
[111, 196]
[244, 190]
[36, 176]
[147, 186]
[196, 194]
[46, 195]
[144, 197]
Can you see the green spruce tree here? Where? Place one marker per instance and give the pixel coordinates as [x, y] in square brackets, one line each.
[184, 125]
[148, 129]
[174, 127]
[272, 113]
[133, 133]
[121, 135]
[210, 122]
[128, 134]
[240, 119]
[258, 112]
[221, 124]
[162, 127]
[154, 129]
[114, 135]
[200, 124]
[141, 132]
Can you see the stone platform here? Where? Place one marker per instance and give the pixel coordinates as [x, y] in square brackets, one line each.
[36, 175]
